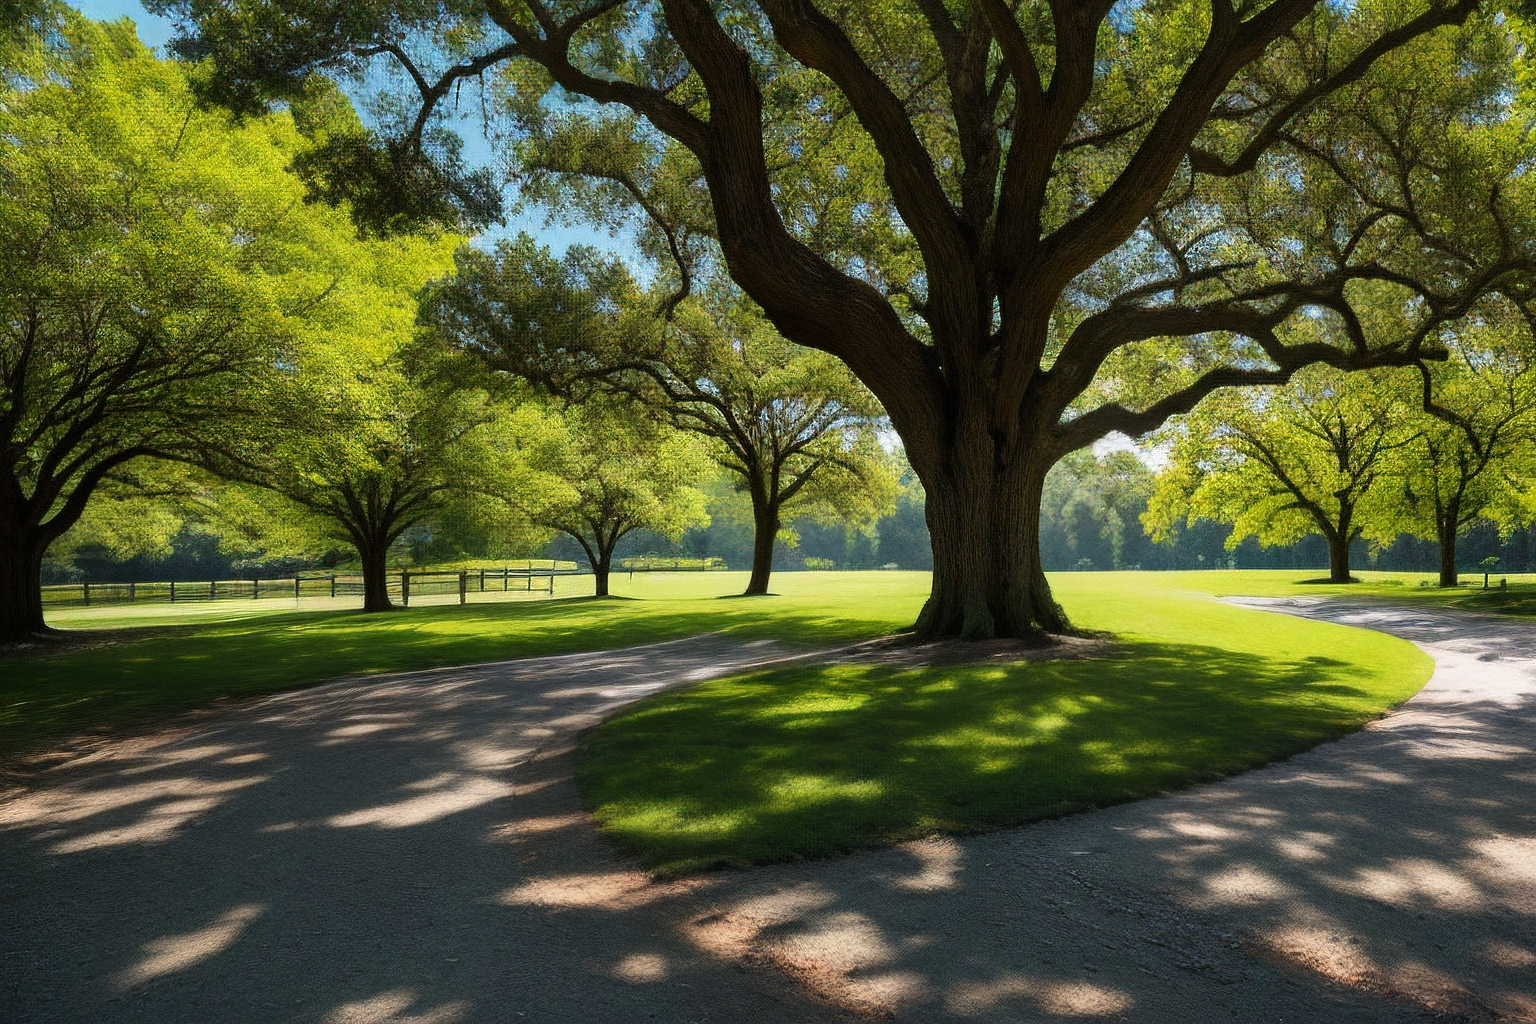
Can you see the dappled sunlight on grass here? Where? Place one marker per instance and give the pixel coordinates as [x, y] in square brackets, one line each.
[807, 761]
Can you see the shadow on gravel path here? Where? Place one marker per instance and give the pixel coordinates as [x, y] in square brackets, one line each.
[352, 853]
[413, 849]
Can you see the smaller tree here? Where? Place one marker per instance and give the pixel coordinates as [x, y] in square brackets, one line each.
[794, 426]
[400, 445]
[1482, 406]
[1283, 463]
[597, 475]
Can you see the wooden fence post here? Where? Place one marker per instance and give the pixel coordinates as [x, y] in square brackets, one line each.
[255, 588]
[464, 587]
[295, 588]
[505, 572]
[173, 591]
[405, 590]
[333, 584]
[86, 590]
[213, 589]
[131, 598]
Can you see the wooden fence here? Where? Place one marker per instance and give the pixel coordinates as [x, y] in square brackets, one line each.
[402, 586]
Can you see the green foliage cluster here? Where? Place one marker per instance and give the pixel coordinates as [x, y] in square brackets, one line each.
[1427, 453]
[193, 341]
[793, 427]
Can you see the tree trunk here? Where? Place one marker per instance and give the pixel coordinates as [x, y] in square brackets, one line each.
[375, 577]
[21, 595]
[1338, 558]
[984, 521]
[600, 570]
[765, 534]
[1446, 527]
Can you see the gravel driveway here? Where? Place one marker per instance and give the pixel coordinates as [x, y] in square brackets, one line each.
[411, 849]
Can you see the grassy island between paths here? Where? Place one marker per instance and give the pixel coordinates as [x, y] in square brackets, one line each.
[802, 762]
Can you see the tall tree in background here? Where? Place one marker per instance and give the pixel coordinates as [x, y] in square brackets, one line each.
[1022, 226]
[160, 278]
[1482, 406]
[793, 426]
[1307, 458]
[597, 475]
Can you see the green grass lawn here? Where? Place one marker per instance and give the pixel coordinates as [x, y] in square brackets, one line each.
[160, 659]
[796, 762]
[1518, 597]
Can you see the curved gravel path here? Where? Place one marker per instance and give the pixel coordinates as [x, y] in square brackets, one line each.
[411, 849]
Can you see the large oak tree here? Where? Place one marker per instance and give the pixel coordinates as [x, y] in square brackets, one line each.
[1023, 225]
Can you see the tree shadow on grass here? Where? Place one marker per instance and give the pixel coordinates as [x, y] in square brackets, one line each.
[805, 762]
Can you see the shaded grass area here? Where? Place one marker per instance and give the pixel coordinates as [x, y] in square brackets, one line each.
[796, 763]
[124, 666]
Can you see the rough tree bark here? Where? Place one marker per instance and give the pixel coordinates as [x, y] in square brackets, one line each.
[21, 596]
[1339, 536]
[1338, 558]
[984, 521]
[1448, 526]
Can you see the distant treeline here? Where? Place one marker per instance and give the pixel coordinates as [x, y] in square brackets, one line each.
[1091, 520]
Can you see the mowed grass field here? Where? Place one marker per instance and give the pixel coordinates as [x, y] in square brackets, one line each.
[802, 762]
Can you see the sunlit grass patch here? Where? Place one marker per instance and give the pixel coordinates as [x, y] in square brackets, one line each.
[803, 761]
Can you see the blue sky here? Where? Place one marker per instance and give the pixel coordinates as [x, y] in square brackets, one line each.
[155, 31]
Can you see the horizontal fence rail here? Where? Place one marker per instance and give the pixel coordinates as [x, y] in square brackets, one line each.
[401, 586]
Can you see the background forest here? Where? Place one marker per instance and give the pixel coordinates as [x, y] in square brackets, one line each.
[1091, 519]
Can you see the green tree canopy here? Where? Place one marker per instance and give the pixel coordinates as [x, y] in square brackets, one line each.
[1480, 429]
[597, 475]
[161, 283]
[1278, 464]
[1022, 226]
[793, 426]
[402, 441]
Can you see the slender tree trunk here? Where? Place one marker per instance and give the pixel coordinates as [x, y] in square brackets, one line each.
[21, 595]
[984, 521]
[375, 577]
[600, 569]
[1445, 526]
[765, 519]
